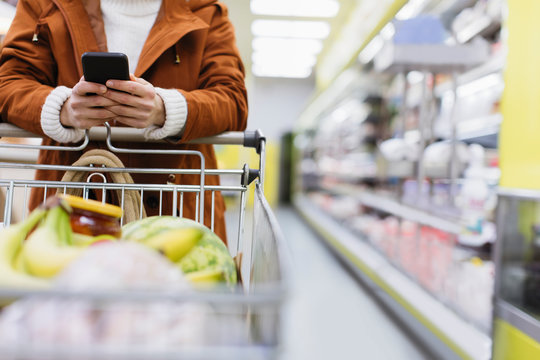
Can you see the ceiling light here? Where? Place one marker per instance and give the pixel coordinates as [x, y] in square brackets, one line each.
[371, 49]
[309, 8]
[388, 31]
[285, 71]
[410, 9]
[284, 45]
[292, 59]
[291, 29]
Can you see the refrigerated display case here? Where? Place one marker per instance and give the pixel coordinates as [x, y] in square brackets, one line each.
[517, 301]
[414, 214]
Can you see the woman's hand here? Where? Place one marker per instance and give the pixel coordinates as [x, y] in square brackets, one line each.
[136, 103]
[82, 111]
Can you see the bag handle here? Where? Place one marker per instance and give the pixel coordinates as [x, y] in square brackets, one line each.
[132, 198]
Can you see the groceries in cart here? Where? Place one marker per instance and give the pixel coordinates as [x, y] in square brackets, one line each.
[56, 234]
[74, 244]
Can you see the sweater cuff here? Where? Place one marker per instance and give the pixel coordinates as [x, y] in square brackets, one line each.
[175, 115]
[50, 117]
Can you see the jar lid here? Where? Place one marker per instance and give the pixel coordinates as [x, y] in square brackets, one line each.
[92, 205]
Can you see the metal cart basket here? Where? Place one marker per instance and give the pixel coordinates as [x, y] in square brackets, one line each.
[243, 323]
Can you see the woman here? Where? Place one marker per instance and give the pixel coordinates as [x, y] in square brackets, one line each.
[187, 81]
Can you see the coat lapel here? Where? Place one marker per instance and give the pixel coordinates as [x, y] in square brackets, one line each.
[80, 28]
[174, 21]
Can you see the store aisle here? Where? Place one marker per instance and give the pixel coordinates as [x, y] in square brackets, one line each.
[329, 315]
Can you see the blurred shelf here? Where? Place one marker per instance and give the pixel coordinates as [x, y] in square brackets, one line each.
[392, 206]
[396, 169]
[494, 64]
[483, 131]
[482, 26]
[433, 58]
[442, 330]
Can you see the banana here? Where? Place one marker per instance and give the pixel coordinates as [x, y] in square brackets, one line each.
[175, 243]
[47, 250]
[207, 276]
[11, 239]
[87, 240]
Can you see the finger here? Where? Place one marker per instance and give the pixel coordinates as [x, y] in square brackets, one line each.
[100, 101]
[89, 123]
[122, 98]
[98, 113]
[81, 110]
[126, 111]
[130, 87]
[82, 88]
[81, 103]
[140, 80]
[131, 122]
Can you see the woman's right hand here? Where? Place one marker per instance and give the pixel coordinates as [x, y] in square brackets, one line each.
[83, 111]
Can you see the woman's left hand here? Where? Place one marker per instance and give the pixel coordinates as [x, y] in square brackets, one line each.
[138, 104]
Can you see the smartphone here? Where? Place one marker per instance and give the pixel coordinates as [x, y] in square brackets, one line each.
[99, 67]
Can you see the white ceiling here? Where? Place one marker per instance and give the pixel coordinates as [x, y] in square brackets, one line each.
[242, 18]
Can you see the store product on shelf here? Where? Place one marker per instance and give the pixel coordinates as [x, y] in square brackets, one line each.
[399, 149]
[477, 200]
[390, 245]
[412, 195]
[434, 258]
[438, 156]
[423, 29]
[408, 251]
[469, 287]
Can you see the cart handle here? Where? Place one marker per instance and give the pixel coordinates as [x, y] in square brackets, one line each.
[251, 139]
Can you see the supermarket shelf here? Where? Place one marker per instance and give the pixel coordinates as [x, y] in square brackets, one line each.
[396, 169]
[484, 25]
[483, 131]
[446, 333]
[391, 206]
[494, 65]
[434, 58]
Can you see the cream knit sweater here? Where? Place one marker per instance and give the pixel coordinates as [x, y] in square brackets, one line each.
[127, 24]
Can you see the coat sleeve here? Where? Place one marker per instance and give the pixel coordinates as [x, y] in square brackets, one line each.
[220, 102]
[27, 70]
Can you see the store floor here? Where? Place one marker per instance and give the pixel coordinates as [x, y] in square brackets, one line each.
[330, 315]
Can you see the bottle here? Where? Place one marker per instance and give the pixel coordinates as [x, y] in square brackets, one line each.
[475, 200]
[94, 218]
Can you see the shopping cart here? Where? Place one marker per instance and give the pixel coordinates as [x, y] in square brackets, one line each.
[240, 324]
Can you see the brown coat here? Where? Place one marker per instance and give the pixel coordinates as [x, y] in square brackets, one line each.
[210, 75]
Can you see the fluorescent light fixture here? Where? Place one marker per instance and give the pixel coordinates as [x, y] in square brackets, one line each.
[284, 45]
[308, 8]
[388, 31]
[285, 71]
[291, 29]
[292, 59]
[410, 9]
[371, 49]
